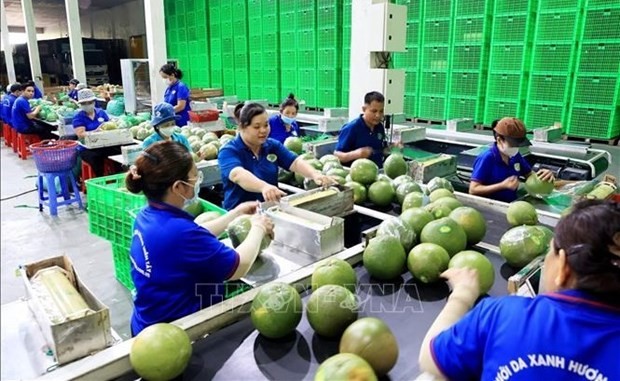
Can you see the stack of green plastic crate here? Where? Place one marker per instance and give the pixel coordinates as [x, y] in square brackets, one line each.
[595, 108]
[306, 43]
[509, 60]
[556, 34]
[435, 64]
[271, 51]
[409, 61]
[288, 46]
[329, 53]
[228, 52]
[255, 47]
[240, 48]
[197, 43]
[469, 59]
[215, 42]
[176, 35]
[346, 51]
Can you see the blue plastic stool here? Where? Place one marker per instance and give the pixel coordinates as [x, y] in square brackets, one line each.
[66, 178]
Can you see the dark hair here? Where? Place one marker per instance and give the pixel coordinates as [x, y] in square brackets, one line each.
[289, 101]
[74, 82]
[237, 111]
[374, 96]
[159, 166]
[494, 123]
[248, 112]
[170, 69]
[587, 234]
[15, 87]
[27, 84]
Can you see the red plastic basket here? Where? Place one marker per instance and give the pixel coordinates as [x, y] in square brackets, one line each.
[204, 116]
[54, 155]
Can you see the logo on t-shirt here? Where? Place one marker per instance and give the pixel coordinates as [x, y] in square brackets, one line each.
[174, 91]
[100, 120]
[272, 157]
[380, 136]
[517, 167]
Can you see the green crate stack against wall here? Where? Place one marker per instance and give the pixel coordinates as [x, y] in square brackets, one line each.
[509, 60]
[228, 50]
[271, 50]
[176, 33]
[346, 52]
[288, 47]
[240, 48]
[410, 60]
[436, 40]
[255, 47]
[553, 62]
[306, 44]
[469, 59]
[595, 108]
[215, 43]
[198, 43]
[329, 53]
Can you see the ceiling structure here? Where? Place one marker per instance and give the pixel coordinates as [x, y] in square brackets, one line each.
[48, 13]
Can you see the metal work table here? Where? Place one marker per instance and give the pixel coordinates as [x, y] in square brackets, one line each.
[227, 347]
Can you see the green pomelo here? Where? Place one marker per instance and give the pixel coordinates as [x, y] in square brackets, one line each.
[404, 189]
[399, 229]
[438, 210]
[276, 310]
[446, 233]
[412, 200]
[285, 176]
[521, 244]
[345, 367]
[536, 187]
[339, 172]
[395, 165]
[381, 193]
[472, 221]
[427, 261]
[208, 151]
[384, 257]
[439, 193]
[206, 217]
[359, 192]
[294, 144]
[437, 183]
[330, 310]
[371, 339]
[449, 202]
[238, 230]
[474, 260]
[403, 179]
[334, 271]
[521, 213]
[329, 157]
[416, 219]
[364, 171]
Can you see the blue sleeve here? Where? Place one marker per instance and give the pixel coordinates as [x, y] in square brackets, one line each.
[78, 120]
[206, 257]
[228, 160]
[295, 127]
[37, 93]
[525, 166]
[345, 140]
[104, 115]
[285, 157]
[182, 92]
[183, 140]
[148, 141]
[482, 167]
[458, 351]
[22, 105]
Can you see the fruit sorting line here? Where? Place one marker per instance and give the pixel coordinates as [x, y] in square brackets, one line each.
[226, 346]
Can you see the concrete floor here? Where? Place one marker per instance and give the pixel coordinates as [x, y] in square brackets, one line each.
[29, 235]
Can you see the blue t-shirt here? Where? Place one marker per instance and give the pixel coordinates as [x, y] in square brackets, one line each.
[7, 106]
[19, 112]
[178, 267]
[3, 103]
[81, 119]
[175, 93]
[356, 134]
[155, 137]
[489, 169]
[278, 130]
[37, 93]
[236, 154]
[73, 94]
[556, 336]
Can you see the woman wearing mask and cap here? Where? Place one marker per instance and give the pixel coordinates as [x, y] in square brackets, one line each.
[163, 122]
[73, 90]
[87, 120]
[177, 93]
[496, 172]
[284, 124]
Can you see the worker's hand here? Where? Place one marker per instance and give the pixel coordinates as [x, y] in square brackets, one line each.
[364, 152]
[246, 208]
[545, 175]
[324, 180]
[511, 183]
[37, 109]
[264, 223]
[398, 144]
[272, 193]
[465, 280]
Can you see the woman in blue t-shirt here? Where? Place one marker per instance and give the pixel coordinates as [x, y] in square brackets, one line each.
[284, 124]
[569, 332]
[178, 266]
[73, 90]
[177, 93]
[90, 119]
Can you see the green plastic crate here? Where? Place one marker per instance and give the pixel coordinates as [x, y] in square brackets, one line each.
[432, 107]
[271, 23]
[497, 109]
[554, 26]
[465, 84]
[305, 19]
[328, 78]
[469, 30]
[287, 21]
[306, 59]
[437, 31]
[593, 121]
[270, 42]
[272, 93]
[508, 58]
[413, 9]
[328, 58]
[309, 96]
[242, 90]
[505, 86]
[411, 81]
[438, 9]
[599, 58]
[471, 8]
[545, 114]
[435, 57]
[503, 7]
[307, 78]
[462, 107]
[269, 7]
[434, 83]
[412, 38]
[410, 105]
[549, 88]
[329, 16]
[603, 89]
[288, 80]
[510, 29]
[306, 39]
[327, 98]
[329, 38]
[553, 58]
[603, 24]
[467, 57]
[407, 60]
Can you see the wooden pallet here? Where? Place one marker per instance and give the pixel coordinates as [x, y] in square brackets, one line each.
[611, 141]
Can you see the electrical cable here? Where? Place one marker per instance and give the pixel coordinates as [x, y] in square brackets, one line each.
[18, 195]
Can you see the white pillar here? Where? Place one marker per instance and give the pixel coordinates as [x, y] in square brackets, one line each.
[360, 56]
[75, 40]
[8, 48]
[155, 46]
[33, 48]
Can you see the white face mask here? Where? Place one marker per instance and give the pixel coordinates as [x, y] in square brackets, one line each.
[88, 108]
[166, 131]
[509, 151]
[168, 81]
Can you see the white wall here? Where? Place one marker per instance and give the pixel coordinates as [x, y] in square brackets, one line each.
[120, 22]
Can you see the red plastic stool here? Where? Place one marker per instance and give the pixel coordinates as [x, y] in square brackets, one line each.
[23, 142]
[88, 172]
[14, 139]
[7, 133]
